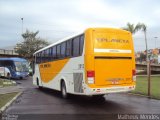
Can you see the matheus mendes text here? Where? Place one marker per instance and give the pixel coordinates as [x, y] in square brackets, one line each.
[138, 117]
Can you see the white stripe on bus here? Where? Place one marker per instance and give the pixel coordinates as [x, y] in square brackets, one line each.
[112, 50]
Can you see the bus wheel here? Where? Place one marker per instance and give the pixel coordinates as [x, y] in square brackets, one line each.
[97, 97]
[40, 87]
[8, 75]
[63, 90]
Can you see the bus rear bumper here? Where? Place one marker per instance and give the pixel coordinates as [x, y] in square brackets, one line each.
[107, 90]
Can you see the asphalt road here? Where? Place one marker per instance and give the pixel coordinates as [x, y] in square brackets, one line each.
[35, 102]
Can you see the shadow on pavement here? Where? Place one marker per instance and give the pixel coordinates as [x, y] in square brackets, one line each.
[86, 101]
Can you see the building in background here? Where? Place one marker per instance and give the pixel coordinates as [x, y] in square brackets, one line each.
[153, 54]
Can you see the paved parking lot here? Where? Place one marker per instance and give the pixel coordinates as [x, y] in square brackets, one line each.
[34, 101]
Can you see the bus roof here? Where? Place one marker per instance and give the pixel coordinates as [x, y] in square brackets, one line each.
[13, 59]
[67, 38]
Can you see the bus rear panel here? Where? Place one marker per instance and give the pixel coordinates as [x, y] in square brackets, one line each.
[109, 61]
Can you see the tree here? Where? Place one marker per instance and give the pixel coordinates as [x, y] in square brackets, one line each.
[30, 44]
[132, 28]
[143, 27]
[142, 57]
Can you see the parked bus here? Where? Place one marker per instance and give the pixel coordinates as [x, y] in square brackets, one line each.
[18, 67]
[96, 62]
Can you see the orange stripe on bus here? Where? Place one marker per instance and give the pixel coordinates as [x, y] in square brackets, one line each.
[49, 70]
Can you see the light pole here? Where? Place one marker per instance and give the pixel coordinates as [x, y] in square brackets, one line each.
[148, 63]
[148, 66]
[22, 25]
[155, 41]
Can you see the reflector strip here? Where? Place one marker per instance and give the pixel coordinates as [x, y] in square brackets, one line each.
[109, 57]
[112, 50]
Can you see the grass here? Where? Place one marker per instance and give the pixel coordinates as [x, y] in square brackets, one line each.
[6, 82]
[1, 82]
[4, 98]
[142, 86]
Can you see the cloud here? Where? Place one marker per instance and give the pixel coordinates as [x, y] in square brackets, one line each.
[57, 19]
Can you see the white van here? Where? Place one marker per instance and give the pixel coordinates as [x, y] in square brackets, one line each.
[4, 72]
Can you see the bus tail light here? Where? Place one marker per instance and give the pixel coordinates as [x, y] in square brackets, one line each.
[90, 77]
[134, 75]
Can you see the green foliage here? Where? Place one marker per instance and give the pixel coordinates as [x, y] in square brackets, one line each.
[142, 86]
[135, 28]
[132, 28]
[4, 98]
[143, 27]
[6, 82]
[30, 44]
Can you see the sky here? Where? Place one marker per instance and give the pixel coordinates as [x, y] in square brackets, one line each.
[56, 19]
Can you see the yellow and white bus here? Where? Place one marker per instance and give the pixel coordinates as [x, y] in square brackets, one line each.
[96, 62]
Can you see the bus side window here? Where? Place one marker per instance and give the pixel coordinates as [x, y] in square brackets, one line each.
[63, 49]
[58, 51]
[81, 42]
[36, 57]
[42, 56]
[75, 47]
[54, 55]
[47, 56]
[33, 64]
[68, 48]
[45, 51]
[50, 54]
[1, 63]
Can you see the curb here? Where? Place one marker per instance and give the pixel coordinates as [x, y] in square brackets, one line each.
[156, 75]
[10, 92]
[138, 95]
[149, 97]
[4, 90]
[9, 103]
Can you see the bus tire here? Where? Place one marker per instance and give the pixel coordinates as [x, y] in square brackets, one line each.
[8, 75]
[37, 80]
[63, 90]
[97, 97]
[40, 87]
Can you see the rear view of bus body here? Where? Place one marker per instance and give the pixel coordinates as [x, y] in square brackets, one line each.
[96, 62]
